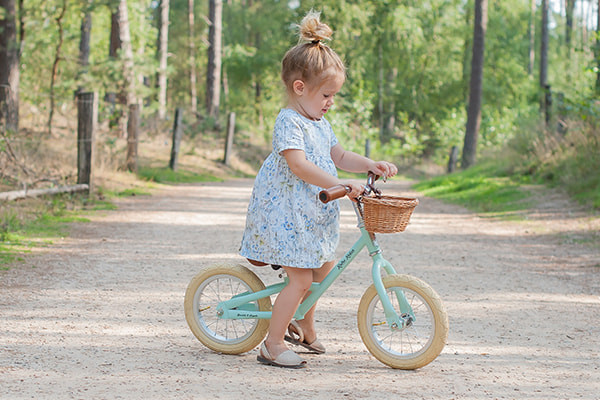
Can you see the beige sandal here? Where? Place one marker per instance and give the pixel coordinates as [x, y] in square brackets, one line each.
[287, 359]
[296, 336]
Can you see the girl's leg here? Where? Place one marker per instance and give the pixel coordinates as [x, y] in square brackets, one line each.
[285, 306]
[308, 323]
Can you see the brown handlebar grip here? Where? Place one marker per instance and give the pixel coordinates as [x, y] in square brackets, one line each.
[332, 193]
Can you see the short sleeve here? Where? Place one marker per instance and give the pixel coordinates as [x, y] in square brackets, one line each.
[287, 134]
[333, 139]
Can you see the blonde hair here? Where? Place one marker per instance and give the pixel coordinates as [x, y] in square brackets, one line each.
[311, 60]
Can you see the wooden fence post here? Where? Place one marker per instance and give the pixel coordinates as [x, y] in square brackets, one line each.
[452, 159]
[561, 114]
[87, 119]
[176, 139]
[547, 102]
[133, 127]
[229, 140]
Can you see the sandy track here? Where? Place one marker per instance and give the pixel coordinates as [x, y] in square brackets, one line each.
[99, 315]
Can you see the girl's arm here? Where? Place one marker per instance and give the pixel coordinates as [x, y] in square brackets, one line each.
[352, 162]
[343, 159]
[307, 171]
[310, 173]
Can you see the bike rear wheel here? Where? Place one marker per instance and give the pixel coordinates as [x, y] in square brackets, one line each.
[417, 344]
[216, 284]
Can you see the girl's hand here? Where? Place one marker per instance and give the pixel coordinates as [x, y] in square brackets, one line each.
[355, 189]
[385, 169]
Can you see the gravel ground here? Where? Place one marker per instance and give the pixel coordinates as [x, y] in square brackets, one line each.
[99, 314]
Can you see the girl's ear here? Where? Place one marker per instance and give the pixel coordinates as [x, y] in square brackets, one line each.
[298, 87]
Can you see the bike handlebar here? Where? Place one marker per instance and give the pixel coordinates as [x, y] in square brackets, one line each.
[333, 193]
[339, 191]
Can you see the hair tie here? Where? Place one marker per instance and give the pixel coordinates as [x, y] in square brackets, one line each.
[316, 41]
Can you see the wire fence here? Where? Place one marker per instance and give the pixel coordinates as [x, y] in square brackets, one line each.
[38, 156]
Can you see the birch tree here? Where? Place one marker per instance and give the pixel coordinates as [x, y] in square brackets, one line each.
[213, 73]
[162, 52]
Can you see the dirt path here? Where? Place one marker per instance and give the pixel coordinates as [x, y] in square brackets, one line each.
[99, 315]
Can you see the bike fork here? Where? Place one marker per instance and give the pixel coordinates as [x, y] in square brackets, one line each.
[393, 320]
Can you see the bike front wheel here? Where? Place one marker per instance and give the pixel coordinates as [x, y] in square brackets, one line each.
[415, 345]
[213, 285]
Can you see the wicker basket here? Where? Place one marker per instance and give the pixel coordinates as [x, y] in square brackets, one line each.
[387, 214]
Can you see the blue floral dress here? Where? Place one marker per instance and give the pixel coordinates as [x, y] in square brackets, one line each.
[286, 223]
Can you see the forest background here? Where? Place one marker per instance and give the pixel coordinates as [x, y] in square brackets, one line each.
[406, 97]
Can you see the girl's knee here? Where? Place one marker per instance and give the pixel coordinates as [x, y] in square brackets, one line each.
[299, 279]
[302, 285]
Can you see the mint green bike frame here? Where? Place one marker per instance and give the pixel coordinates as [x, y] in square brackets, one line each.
[241, 306]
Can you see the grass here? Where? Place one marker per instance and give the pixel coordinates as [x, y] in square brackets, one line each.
[569, 160]
[31, 223]
[36, 222]
[484, 188]
[578, 175]
[167, 175]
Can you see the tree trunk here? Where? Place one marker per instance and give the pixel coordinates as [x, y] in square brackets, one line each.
[597, 50]
[84, 46]
[258, 89]
[120, 39]
[57, 57]
[389, 121]
[113, 52]
[380, 89]
[544, 46]
[570, 7]
[21, 27]
[213, 73]
[475, 86]
[585, 13]
[531, 64]
[192, 57]
[115, 39]
[163, 40]
[544, 89]
[468, 51]
[127, 54]
[9, 66]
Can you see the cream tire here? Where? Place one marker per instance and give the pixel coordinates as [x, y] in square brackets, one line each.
[415, 345]
[213, 285]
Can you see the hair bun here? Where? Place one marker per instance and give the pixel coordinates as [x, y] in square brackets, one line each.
[312, 29]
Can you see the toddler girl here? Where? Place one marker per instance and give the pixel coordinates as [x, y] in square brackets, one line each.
[286, 224]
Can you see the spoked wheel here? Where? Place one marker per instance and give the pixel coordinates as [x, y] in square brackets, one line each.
[216, 284]
[421, 341]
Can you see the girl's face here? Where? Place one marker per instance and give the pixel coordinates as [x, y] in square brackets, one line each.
[314, 102]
